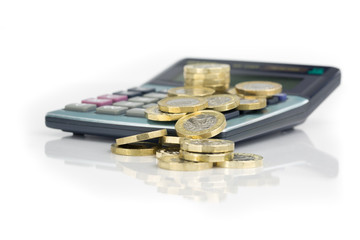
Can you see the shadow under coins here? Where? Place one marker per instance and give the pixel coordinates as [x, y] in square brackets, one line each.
[281, 151]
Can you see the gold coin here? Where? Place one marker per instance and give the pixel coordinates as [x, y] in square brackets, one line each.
[201, 124]
[207, 145]
[222, 102]
[206, 157]
[252, 97]
[252, 104]
[242, 160]
[167, 154]
[183, 104]
[170, 140]
[178, 164]
[259, 88]
[141, 137]
[206, 68]
[220, 89]
[207, 76]
[153, 113]
[135, 149]
[191, 91]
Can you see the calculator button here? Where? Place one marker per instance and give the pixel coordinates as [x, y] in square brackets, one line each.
[128, 93]
[144, 100]
[113, 110]
[142, 89]
[114, 97]
[136, 112]
[98, 102]
[164, 90]
[155, 95]
[272, 100]
[282, 97]
[149, 105]
[80, 107]
[129, 104]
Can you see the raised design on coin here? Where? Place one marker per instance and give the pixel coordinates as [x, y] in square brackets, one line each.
[200, 122]
[183, 102]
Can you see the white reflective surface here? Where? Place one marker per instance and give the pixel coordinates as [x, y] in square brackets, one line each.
[291, 151]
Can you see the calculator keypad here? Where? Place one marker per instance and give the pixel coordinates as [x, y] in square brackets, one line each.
[133, 103]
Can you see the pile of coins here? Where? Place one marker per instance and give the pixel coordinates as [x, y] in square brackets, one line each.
[210, 75]
[198, 110]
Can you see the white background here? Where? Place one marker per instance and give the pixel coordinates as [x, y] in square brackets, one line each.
[57, 52]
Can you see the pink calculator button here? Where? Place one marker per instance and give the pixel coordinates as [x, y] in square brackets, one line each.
[114, 98]
[97, 102]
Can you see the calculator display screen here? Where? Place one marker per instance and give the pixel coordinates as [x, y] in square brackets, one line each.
[286, 82]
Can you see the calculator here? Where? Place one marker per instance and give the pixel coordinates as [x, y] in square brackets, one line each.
[121, 112]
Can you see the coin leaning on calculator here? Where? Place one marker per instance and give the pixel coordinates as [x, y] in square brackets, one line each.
[196, 109]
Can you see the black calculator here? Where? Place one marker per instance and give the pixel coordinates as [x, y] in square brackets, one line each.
[121, 112]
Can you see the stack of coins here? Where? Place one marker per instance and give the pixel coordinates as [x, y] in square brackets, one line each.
[255, 94]
[137, 145]
[207, 150]
[197, 109]
[210, 75]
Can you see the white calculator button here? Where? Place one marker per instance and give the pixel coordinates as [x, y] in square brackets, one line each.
[112, 110]
[136, 112]
[129, 104]
[80, 107]
[144, 100]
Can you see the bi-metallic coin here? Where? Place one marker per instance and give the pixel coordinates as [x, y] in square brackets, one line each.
[191, 91]
[207, 145]
[153, 113]
[223, 102]
[183, 104]
[141, 137]
[242, 160]
[201, 124]
[259, 88]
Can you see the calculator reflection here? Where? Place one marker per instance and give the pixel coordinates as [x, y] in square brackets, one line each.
[281, 151]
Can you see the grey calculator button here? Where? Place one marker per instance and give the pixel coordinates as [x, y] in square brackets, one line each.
[149, 105]
[156, 95]
[142, 89]
[113, 110]
[144, 100]
[136, 112]
[129, 104]
[80, 107]
[164, 90]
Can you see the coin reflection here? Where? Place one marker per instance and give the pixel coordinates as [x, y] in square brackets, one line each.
[280, 152]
